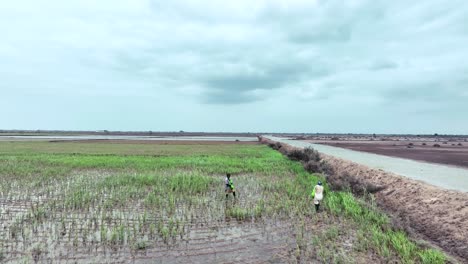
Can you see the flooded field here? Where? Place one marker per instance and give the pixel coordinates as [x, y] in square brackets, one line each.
[439, 175]
[135, 138]
[120, 203]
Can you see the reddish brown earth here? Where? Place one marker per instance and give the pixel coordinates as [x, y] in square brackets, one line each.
[445, 154]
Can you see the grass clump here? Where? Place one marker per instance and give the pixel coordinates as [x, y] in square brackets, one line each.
[431, 256]
[376, 232]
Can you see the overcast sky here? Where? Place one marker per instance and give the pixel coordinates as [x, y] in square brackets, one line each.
[280, 66]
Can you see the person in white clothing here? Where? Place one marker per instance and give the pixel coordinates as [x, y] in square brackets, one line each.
[317, 195]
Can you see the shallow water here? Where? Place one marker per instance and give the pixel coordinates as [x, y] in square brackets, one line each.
[447, 177]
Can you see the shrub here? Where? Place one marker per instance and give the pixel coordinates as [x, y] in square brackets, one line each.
[283, 151]
[460, 144]
[326, 168]
[310, 159]
[424, 144]
[312, 166]
[312, 154]
[347, 182]
[297, 154]
[275, 146]
[436, 146]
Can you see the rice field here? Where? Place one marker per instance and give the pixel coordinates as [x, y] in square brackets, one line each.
[76, 202]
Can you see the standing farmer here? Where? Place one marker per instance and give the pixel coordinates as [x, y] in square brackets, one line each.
[317, 195]
[229, 188]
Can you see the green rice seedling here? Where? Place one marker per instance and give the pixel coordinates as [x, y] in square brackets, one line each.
[141, 244]
[431, 256]
[36, 252]
[103, 233]
[165, 232]
[405, 248]
[331, 233]
[238, 213]
[363, 244]
[152, 230]
[75, 242]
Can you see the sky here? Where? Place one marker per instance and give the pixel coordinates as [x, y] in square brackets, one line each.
[356, 66]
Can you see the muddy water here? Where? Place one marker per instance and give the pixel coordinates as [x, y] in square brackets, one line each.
[439, 175]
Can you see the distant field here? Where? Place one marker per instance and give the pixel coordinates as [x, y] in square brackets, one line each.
[448, 153]
[95, 202]
[116, 147]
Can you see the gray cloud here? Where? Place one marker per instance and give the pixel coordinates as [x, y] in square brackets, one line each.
[229, 97]
[350, 58]
[383, 65]
[225, 85]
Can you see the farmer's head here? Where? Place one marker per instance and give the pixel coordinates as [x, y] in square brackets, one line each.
[228, 175]
[319, 183]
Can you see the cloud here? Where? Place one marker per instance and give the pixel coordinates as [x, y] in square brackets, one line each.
[235, 82]
[363, 54]
[382, 65]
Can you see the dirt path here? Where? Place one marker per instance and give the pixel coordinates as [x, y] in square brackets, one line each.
[432, 213]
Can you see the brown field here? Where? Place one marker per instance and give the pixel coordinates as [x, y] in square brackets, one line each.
[453, 152]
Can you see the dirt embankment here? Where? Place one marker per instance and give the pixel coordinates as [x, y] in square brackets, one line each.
[434, 214]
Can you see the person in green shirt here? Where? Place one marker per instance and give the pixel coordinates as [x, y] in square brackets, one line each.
[229, 188]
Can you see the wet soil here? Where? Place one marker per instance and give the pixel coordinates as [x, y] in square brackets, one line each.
[445, 154]
[209, 236]
[226, 241]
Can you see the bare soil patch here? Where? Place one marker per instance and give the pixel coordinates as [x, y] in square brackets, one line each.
[423, 151]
